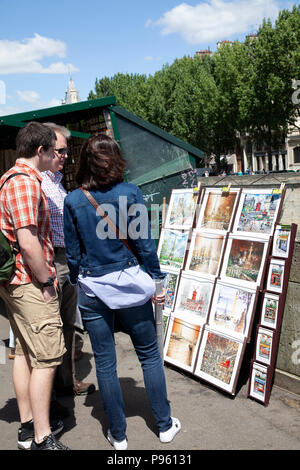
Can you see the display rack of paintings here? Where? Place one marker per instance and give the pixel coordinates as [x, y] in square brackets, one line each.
[181, 209]
[205, 254]
[245, 260]
[217, 210]
[272, 308]
[215, 246]
[181, 342]
[233, 309]
[258, 212]
[219, 359]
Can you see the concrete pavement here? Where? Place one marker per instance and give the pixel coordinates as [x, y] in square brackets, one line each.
[211, 420]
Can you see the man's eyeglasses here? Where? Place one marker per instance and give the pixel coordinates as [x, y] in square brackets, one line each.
[62, 151]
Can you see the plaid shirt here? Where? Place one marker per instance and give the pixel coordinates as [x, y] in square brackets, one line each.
[23, 203]
[56, 194]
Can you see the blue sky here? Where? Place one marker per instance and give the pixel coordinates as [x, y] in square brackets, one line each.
[42, 43]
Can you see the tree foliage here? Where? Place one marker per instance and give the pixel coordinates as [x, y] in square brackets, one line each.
[211, 102]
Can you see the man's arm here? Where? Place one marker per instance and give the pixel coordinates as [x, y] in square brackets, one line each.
[32, 253]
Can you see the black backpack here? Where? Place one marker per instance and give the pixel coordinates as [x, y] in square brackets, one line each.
[7, 252]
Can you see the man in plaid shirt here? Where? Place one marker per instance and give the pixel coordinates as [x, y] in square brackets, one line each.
[65, 382]
[31, 293]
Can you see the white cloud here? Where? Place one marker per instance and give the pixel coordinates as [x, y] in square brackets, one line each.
[148, 57]
[29, 96]
[148, 23]
[215, 20]
[25, 56]
[53, 102]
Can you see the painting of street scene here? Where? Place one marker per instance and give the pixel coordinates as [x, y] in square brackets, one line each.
[181, 209]
[232, 309]
[182, 342]
[205, 253]
[170, 290]
[172, 248]
[281, 242]
[194, 297]
[219, 357]
[245, 260]
[264, 345]
[270, 310]
[276, 276]
[258, 212]
[217, 211]
[258, 382]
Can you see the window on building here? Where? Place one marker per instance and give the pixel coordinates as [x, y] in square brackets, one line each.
[297, 155]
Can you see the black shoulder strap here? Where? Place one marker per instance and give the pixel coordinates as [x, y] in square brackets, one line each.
[11, 176]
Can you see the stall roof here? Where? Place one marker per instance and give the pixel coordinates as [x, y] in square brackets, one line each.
[63, 112]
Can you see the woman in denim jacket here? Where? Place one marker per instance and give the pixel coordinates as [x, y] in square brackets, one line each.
[104, 267]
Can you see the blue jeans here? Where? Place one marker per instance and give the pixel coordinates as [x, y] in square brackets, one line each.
[98, 319]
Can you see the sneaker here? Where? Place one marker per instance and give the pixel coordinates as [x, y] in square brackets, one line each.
[169, 435]
[117, 445]
[26, 434]
[49, 443]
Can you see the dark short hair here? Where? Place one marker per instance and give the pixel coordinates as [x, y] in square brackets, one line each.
[100, 163]
[31, 137]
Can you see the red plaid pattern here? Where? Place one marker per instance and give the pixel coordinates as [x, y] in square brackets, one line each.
[23, 203]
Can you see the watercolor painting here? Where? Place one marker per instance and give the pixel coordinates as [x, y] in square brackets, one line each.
[205, 253]
[232, 309]
[171, 249]
[219, 359]
[281, 242]
[171, 287]
[244, 259]
[194, 295]
[276, 275]
[181, 209]
[269, 312]
[264, 345]
[217, 210]
[258, 382]
[181, 343]
[257, 211]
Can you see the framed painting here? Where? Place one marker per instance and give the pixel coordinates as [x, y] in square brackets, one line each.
[269, 311]
[281, 242]
[244, 261]
[259, 382]
[264, 343]
[181, 343]
[194, 298]
[219, 359]
[257, 212]
[172, 280]
[276, 275]
[171, 248]
[181, 209]
[205, 254]
[233, 309]
[217, 210]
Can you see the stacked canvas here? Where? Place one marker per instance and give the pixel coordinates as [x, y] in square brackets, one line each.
[214, 245]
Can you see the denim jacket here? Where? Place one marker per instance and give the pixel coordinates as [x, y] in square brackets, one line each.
[92, 249]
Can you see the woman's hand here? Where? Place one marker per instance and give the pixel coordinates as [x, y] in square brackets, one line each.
[159, 299]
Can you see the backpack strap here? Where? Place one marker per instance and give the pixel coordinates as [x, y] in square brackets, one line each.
[11, 176]
[15, 245]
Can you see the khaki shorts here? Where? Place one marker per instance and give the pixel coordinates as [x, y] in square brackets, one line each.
[36, 324]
